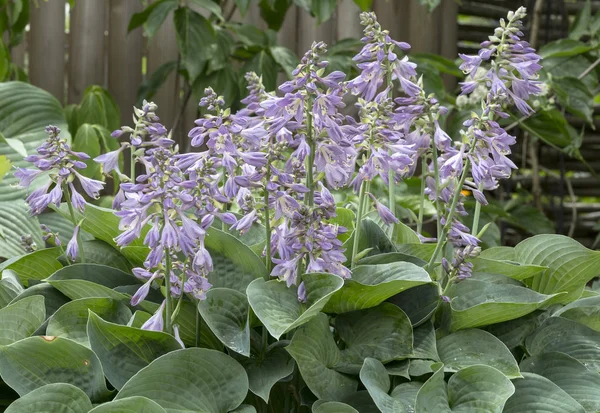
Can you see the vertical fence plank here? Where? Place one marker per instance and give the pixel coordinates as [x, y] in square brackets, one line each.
[309, 31]
[124, 56]
[449, 35]
[162, 48]
[348, 21]
[47, 46]
[17, 53]
[424, 28]
[394, 16]
[86, 54]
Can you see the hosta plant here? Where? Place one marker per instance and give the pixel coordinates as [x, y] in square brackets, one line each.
[267, 270]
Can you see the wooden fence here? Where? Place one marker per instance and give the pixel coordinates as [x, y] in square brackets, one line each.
[96, 48]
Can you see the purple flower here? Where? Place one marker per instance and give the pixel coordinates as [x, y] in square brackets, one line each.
[384, 212]
[156, 322]
[73, 247]
[110, 160]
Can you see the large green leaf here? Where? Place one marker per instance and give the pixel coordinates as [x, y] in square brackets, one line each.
[123, 350]
[99, 252]
[109, 277]
[278, 307]
[419, 303]
[370, 285]
[478, 303]
[585, 311]
[25, 111]
[15, 222]
[195, 38]
[568, 374]
[70, 321]
[383, 333]
[534, 393]
[564, 47]
[97, 108]
[236, 265]
[186, 320]
[316, 353]
[332, 407]
[407, 392]
[53, 299]
[34, 266]
[152, 17]
[574, 96]
[21, 319]
[52, 398]
[226, 313]
[266, 370]
[135, 404]
[472, 389]
[212, 382]
[571, 265]
[76, 289]
[513, 332]
[509, 269]
[424, 343]
[372, 238]
[87, 141]
[471, 347]
[569, 337]
[36, 361]
[265, 66]
[10, 287]
[377, 382]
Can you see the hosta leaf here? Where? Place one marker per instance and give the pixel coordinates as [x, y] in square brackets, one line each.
[472, 389]
[16, 221]
[403, 234]
[226, 313]
[570, 264]
[370, 285]
[419, 303]
[477, 303]
[244, 408]
[25, 111]
[421, 251]
[99, 274]
[316, 353]
[361, 401]
[186, 320]
[63, 226]
[585, 311]
[332, 407]
[471, 347]
[265, 371]
[34, 266]
[235, 264]
[76, 289]
[278, 308]
[390, 257]
[568, 374]
[509, 269]
[21, 319]
[424, 344]
[135, 404]
[371, 236]
[569, 337]
[534, 393]
[70, 321]
[377, 382]
[513, 332]
[99, 252]
[10, 287]
[53, 299]
[36, 361]
[407, 393]
[383, 333]
[52, 398]
[123, 351]
[212, 382]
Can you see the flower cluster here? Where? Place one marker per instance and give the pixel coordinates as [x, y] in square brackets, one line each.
[483, 152]
[60, 163]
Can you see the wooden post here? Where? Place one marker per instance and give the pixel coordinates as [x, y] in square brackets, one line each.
[47, 46]
[124, 57]
[162, 48]
[348, 20]
[86, 55]
[309, 31]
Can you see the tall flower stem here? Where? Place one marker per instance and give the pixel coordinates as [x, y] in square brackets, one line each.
[132, 164]
[436, 177]
[268, 260]
[310, 160]
[391, 173]
[422, 203]
[74, 219]
[198, 326]
[476, 215]
[442, 236]
[359, 217]
[168, 303]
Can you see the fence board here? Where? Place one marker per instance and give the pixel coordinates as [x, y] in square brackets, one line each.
[47, 46]
[88, 43]
[125, 57]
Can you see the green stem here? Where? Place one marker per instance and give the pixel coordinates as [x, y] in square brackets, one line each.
[132, 166]
[168, 309]
[422, 203]
[198, 326]
[391, 174]
[359, 216]
[310, 160]
[436, 177]
[74, 219]
[450, 217]
[268, 260]
[476, 215]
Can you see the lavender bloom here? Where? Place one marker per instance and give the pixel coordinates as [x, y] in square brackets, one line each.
[73, 247]
[384, 212]
[156, 322]
[56, 158]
